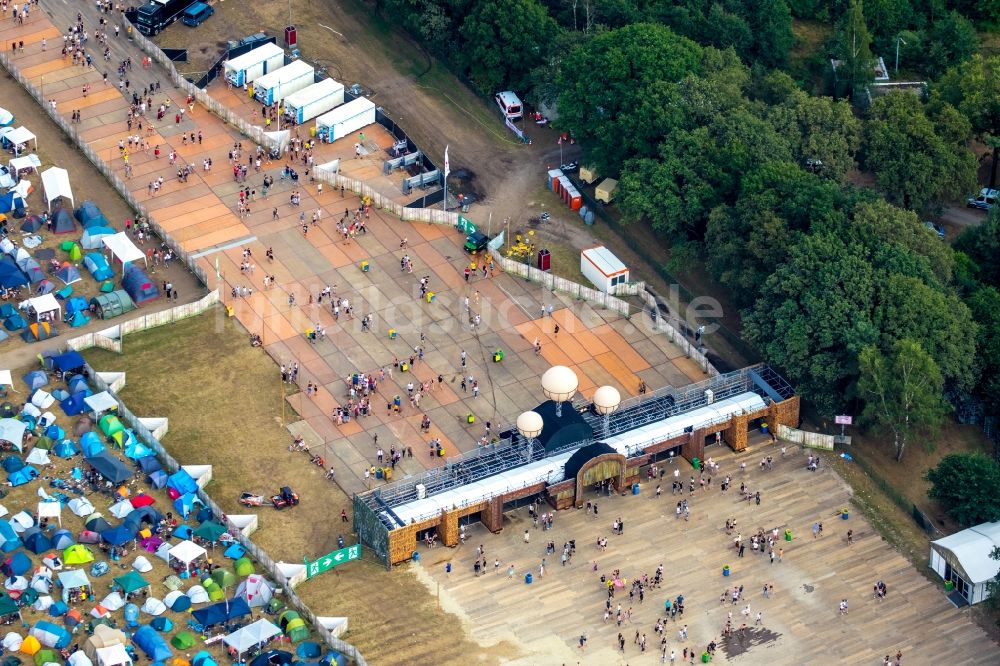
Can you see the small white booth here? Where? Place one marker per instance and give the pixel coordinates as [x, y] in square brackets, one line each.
[123, 249]
[24, 162]
[45, 308]
[56, 184]
[603, 268]
[964, 559]
[20, 137]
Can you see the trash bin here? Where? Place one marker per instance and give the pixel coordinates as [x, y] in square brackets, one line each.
[635, 488]
[528, 578]
[844, 515]
[788, 535]
[696, 464]
[364, 266]
[416, 556]
[725, 571]
[404, 367]
[392, 334]
[470, 418]
[949, 585]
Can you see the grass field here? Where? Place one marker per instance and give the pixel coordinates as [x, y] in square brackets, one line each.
[224, 402]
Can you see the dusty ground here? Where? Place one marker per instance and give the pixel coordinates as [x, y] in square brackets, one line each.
[224, 402]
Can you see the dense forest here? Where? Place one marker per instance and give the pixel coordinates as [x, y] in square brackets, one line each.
[800, 189]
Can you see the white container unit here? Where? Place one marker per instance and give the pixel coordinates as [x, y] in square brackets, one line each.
[310, 102]
[283, 82]
[345, 119]
[254, 64]
[603, 268]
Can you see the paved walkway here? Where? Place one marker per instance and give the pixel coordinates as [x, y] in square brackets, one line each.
[801, 620]
[202, 215]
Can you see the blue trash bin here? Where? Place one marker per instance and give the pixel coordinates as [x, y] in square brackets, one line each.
[416, 556]
[635, 488]
[528, 578]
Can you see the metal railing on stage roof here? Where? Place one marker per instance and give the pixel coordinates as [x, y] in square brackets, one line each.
[510, 453]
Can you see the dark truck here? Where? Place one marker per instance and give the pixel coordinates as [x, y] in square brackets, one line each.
[156, 15]
[476, 242]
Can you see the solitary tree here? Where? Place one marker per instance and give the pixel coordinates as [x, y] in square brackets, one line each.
[902, 392]
[855, 48]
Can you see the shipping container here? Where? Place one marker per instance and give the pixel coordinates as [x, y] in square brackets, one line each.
[255, 64]
[603, 269]
[345, 119]
[317, 99]
[281, 83]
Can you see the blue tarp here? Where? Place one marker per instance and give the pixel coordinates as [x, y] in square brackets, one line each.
[74, 404]
[8, 538]
[71, 360]
[76, 304]
[109, 467]
[11, 201]
[152, 643]
[23, 476]
[182, 482]
[116, 536]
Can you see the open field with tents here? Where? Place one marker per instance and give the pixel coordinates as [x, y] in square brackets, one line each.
[97, 539]
[202, 408]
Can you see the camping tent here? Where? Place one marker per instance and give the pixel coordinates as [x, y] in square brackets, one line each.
[12, 201]
[103, 637]
[19, 138]
[22, 476]
[56, 184]
[93, 237]
[68, 274]
[131, 582]
[109, 467]
[110, 424]
[118, 535]
[10, 274]
[74, 405]
[88, 214]
[101, 402]
[51, 635]
[149, 641]
[73, 579]
[110, 305]
[81, 506]
[98, 266]
[38, 332]
[123, 249]
[12, 431]
[6, 118]
[114, 655]
[139, 286]
[255, 590]
[62, 222]
[91, 445]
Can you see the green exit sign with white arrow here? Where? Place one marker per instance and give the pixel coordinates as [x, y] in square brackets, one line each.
[330, 560]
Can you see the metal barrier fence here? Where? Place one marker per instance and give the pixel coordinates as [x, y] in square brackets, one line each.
[176, 313]
[813, 440]
[257, 135]
[577, 290]
[258, 554]
[678, 338]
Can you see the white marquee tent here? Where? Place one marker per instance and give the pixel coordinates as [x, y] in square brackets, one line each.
[46, 304]
[24, 162]
[56, 184]
[21, 136]
[123, 248]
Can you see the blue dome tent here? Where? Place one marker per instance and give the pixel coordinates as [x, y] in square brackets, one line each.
[65, 449]
[138, 285]
[91, 444]
[74, 404]
[23, 476]
[153, 644]
[98, 266]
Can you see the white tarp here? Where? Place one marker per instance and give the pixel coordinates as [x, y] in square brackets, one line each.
[45, 304]
[280, 137]
[5, 378]
[24, 162]
[113, 655]
[101, 402]
[12, 430]
[23, 188]
[252, 635]
[123, 248]
[56, 184]
[21, 135]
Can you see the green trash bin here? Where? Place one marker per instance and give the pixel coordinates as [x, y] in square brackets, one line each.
[696, 464]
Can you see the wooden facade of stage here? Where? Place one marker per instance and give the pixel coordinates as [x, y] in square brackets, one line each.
[570, 492]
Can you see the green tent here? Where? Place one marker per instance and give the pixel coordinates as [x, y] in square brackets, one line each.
[46, 656]
[244, 567]
[45, 443]
[74, 253]
[183, 640]
[110, 424]
[210, 531]
[296, 630]
[131, 582]
[8, 606]
[275, 605]
[77, 554]
[223, 578]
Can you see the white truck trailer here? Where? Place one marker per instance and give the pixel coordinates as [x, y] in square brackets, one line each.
[283, 82]
[254, 64]
[310, 102]
[345, 119]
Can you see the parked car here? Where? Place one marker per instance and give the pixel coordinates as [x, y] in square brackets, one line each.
[934, 227]
[196, 14]
[984, 201]
[475, 242]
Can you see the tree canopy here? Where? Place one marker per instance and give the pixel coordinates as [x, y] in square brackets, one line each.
[968, 484]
